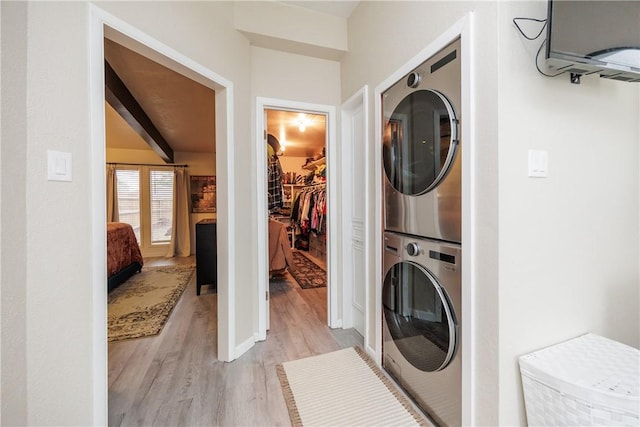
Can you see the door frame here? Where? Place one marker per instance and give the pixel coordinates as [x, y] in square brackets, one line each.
[334, 319]
[101, 25]
[359, 101]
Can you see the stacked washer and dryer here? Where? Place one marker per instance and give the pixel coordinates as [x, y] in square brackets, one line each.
[421, 292]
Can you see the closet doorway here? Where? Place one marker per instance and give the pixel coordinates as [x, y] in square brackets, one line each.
[296, 239]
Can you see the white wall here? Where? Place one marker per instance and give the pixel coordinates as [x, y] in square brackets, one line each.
[294, 164]
[383, 36]
[291, 25]
[568, 243]
[58, 218]
[50, 271]
[276, 74]
[0, 216]
[13, 245]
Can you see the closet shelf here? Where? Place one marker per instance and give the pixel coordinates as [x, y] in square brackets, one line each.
[312, 165]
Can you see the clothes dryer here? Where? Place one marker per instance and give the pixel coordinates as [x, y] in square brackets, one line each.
[421, 301]
[421, 149]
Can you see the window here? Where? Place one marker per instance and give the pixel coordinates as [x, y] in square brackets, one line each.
[145, 200]
[128, 182]
[161, 206]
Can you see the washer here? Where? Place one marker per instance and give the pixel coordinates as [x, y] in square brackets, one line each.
[421, 302]
[421, 149]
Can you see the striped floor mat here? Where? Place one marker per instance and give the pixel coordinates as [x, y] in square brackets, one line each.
[343, 388]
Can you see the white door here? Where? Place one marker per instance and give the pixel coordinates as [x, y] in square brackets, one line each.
[267, 311]
[354, 131]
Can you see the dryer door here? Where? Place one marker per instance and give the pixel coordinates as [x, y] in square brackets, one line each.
[419, 316]
[419, 140]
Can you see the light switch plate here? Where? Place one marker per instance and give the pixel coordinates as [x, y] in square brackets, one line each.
[538, 163]
[58, 166]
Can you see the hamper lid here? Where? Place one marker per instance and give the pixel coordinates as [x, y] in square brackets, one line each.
[591, 368]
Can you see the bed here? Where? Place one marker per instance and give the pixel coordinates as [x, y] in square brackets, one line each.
[123, 254]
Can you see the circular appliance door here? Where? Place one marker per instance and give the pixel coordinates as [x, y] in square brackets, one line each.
[419, 316]
[419, 142]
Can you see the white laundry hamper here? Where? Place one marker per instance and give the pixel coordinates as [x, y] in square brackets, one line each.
[586, 381]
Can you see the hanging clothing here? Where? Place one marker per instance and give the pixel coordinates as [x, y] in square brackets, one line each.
[275, 198]
[295, 207]
[318, 212]
[308, 212]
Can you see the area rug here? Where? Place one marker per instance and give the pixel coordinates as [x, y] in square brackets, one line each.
[307, 273]
[343, 388]
[140, 306]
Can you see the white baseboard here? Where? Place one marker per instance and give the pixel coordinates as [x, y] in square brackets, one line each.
[336, 324]
[244, 347]
[373, 354]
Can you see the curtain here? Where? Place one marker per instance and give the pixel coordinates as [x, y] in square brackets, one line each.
[180, 231]
[112, 194]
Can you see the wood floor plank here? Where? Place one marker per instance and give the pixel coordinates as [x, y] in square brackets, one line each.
[174, 378]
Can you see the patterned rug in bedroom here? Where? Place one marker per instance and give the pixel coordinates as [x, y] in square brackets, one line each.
[140, 306]
[307, 273]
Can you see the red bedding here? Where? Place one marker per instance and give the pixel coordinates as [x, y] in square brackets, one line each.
[122, 247]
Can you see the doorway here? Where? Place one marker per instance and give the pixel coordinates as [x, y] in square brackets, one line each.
[321, 246]
[104, 25]
[297, 204]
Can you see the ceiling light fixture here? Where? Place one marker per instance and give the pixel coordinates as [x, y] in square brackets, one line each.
[302, 122]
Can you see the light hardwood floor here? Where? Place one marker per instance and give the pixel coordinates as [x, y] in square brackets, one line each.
[175, 378]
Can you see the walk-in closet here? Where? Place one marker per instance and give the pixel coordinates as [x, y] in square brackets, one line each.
[297, 201]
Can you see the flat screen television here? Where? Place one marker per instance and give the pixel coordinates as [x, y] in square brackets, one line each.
[585, 37]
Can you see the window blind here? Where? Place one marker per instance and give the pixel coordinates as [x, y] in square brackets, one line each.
[128, 182]
[161, 183]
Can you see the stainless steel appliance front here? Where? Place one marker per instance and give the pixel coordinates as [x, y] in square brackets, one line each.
[421, 149]
[421, 303]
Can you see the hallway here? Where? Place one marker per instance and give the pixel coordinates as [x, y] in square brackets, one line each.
[174, 378]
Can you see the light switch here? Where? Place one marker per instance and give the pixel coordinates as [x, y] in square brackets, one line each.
[538, 163]
[58, 166]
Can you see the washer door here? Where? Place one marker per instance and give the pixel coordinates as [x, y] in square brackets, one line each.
[420, 140]
[419, 316]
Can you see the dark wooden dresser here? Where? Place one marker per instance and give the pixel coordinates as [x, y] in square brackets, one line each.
[206, 254]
